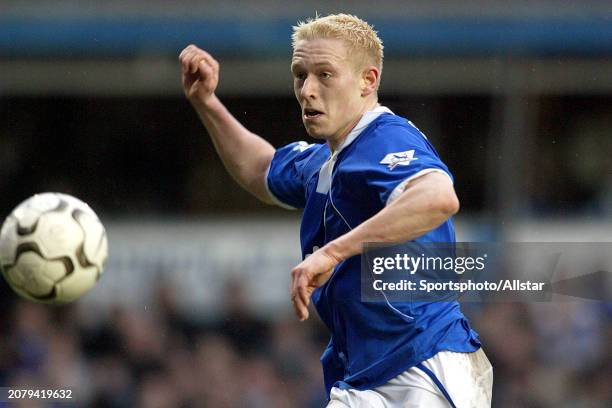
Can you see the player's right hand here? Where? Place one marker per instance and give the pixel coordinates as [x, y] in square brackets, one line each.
[200, 73]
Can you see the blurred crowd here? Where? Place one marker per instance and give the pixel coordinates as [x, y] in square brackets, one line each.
[156, 356]
[544, 355]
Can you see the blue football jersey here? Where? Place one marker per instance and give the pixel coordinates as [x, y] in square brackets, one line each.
[371, 342]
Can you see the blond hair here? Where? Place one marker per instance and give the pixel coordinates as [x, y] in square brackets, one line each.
[358, 35]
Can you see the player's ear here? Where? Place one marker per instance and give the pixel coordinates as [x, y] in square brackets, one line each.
[369, 80]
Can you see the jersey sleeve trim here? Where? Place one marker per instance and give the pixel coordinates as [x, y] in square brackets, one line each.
[399, 189]
[275, 199]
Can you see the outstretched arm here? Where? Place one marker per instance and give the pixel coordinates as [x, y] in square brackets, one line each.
[426, 203]
[245, 155]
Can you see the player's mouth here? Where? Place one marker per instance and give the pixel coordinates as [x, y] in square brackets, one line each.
[310, 114]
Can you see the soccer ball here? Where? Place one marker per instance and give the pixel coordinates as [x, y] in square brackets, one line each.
[52, 248]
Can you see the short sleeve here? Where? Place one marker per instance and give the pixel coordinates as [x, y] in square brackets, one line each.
[395, 156]
[285, 178]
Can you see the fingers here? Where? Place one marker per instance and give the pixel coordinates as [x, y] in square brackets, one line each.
[192, 59]
[312, 273]
[303, 293]
[200, 72]
[185, 57]
[206, 73]
[300, 297]
[301, 311]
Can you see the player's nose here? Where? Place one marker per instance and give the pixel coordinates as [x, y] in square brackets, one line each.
[308, 90]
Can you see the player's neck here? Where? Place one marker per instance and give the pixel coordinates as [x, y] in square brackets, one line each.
[335, 143]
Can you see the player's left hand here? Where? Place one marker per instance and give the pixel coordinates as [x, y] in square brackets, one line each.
[311, 273]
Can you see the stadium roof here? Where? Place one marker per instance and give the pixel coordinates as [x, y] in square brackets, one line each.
[86, 36]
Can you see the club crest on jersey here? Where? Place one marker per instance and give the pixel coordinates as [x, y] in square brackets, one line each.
[398, 159]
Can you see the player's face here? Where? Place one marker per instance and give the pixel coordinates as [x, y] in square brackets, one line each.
[327, 85]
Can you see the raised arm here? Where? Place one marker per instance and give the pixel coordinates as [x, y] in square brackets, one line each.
[245, 155]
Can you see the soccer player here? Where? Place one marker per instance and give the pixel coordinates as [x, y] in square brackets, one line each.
[376, 179]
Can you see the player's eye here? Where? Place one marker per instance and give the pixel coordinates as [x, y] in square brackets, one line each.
[300, 76]
[325, 75]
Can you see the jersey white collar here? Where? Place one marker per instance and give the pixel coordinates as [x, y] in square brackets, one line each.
[365, 120]
[325, 172]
